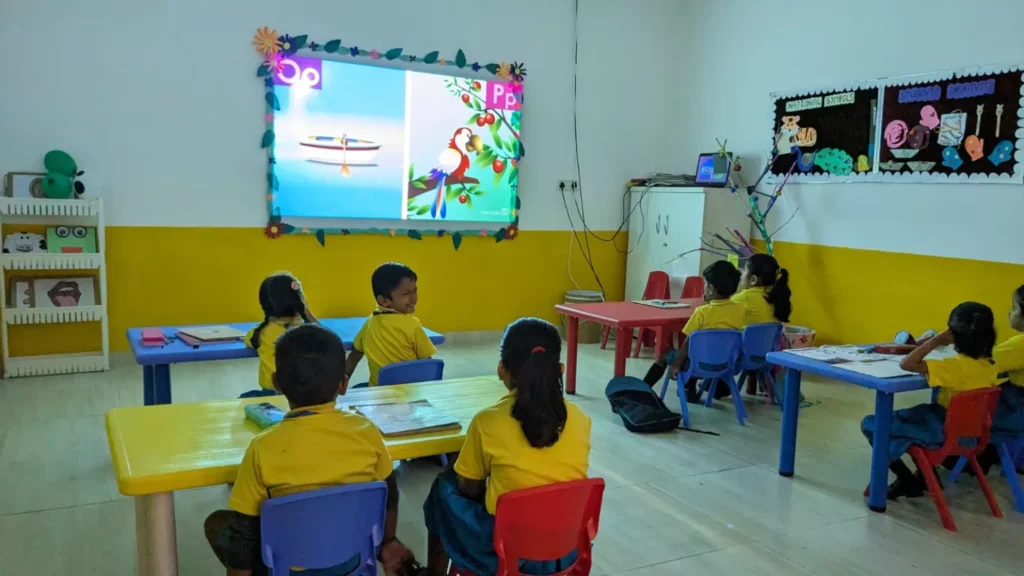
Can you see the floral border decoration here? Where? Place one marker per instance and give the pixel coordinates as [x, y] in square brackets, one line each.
[274, 47]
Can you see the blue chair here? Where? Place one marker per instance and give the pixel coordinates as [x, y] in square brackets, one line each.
[411, 372]
[758, 341]
[713, 355]
[1008, 453]
[324, 528]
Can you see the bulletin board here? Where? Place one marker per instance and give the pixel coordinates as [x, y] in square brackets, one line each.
[953, 126]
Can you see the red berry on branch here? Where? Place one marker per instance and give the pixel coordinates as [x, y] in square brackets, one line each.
[476, 85]
[465, 98]
[463, 198]
[498, 166]
[489, 118]
[480, 121]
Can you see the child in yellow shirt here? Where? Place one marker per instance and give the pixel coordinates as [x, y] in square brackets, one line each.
[972, 333]
[764, 291]
[720, 282]
[314, 447]
[1008, 421]
[391, 334]
[531, 437]
[284, 307]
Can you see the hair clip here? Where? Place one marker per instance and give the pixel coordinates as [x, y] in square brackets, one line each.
[295, 285]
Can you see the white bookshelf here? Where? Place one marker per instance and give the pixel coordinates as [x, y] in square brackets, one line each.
[14, 211]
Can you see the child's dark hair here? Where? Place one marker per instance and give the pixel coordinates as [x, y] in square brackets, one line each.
[531, 351]
[280, 297]
[974, 330]
[388, 276]
[723, 276]
[310, 365]
[1019, 294]
[775, 281]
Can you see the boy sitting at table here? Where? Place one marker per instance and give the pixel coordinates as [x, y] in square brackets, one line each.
[314, 447]
[391, 334]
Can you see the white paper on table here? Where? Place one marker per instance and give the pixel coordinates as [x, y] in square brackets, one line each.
[889, 368]
[837, 354]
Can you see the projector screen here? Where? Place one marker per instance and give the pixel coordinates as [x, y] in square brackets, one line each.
[374, 143]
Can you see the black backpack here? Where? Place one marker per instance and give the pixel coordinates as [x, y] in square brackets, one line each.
[640, 408]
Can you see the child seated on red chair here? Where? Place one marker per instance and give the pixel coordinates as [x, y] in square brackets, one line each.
[284, 307]
[391, 334]
[532, 437]
[972, 333]
[314, 447]
[720, 282]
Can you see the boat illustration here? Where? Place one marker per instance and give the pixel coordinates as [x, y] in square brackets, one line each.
[345, 151]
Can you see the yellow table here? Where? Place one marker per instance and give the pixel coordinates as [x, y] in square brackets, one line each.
[159, 449]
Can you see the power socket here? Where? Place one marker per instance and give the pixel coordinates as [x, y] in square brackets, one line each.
[568, 186]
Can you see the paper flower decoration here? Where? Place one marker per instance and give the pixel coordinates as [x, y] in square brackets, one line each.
[274, 63]
[476, 66]
[511, 232]
[374, 55]
[442, 62]
[268, 82]
[268, 118]
[274, 230]
[504, 71]
[314, 46]
[517, 87]
[518, 71]
[483, 232]
[288, 45]
[270, 197]
[354, 51]
[305, 230]
[392, 232]
[267, 40]
[412, 58]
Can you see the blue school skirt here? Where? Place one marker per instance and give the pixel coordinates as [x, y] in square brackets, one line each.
[1008, 420]
[466, 530]
[921, 425]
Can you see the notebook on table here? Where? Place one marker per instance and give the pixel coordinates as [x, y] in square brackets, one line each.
[662, 303]
[408, 418]
[213, 333]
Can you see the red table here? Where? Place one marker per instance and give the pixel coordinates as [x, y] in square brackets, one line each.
[624, 317]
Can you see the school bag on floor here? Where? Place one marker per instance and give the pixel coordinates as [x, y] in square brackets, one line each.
[639, 407]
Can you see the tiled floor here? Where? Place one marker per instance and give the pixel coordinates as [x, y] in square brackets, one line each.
[677, 503]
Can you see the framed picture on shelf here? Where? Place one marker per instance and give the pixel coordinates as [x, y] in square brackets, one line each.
[24, 185]
[21, 242]
[71, 240]
[65, 292]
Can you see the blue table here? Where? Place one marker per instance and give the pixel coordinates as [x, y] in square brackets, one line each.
[884, 389]
[156, 361]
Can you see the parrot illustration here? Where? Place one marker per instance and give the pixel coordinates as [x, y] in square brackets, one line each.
[453, 163]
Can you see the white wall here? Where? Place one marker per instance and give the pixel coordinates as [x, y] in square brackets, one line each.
[742, 50]
[159, 103]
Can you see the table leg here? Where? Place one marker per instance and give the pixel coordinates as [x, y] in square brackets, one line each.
[162, 383]
[147, 386]
[790, 414]
[572, 333]
[156, 542]
[661, 340]
[880, 451]
[623, 342]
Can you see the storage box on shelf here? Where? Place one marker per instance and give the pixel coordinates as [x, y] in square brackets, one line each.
[36, 211]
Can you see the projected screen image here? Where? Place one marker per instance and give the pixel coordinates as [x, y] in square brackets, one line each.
[355, 141]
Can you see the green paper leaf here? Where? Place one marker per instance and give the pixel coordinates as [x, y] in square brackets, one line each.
[415, 235]
[299, 42]
[268, 139]
[332, 46]
[460, 59]
[288, 228]
[522, 150]
[457, 238]
[272, 101]
[422, 210]
[263, 71]
[431, 58]
[519, 204]
[393, 53]
[516, 221]
[418, 184]
[321, 238]
[272, 181]
[499, 235]
[492, 68]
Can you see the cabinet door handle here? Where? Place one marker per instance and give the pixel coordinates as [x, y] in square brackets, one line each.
[657, 225]
[666, 224]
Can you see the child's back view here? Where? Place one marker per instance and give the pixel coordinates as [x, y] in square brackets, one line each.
[391, 334]
[284, 307]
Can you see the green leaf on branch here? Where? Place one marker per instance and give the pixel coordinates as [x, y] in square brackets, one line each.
[451, 193]
[497, 178]
[492, 68]
[272, 101]
[263, 71]
[412, 172]
[418, 184]
[422, 210]
[457, 239]
[415, 235]
[494, 135]
[393, 53]
[332, 46]
[268, 139]
[431, 58]
[469, 202]
[321, 238]
[473, 119]
[299, 42]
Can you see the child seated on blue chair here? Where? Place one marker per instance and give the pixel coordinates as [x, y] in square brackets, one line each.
[1008, 420]
[972, 332]
[720, 282]
[284, 307]
[391, 334]
[315, 446]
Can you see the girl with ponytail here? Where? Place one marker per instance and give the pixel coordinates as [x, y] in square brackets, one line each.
[764, 290]
[284, 307]
[531, 437]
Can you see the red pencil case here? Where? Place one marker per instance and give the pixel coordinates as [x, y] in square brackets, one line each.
[153, 337]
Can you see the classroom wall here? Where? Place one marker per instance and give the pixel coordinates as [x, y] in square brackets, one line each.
[866, 259]
[160, 105]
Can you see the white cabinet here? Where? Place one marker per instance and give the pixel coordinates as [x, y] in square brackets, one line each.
[666, 222]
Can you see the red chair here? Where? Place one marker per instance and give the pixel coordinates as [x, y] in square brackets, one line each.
[967, 432]
[657, 289]
[693, 287]
[546, 523]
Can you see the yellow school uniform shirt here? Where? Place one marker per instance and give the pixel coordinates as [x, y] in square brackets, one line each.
[312, 448]
[758, 310]
[960, 374]
[1009, 357]
[268, 339]
[497, 450]
[717, 314]
[390, 337]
